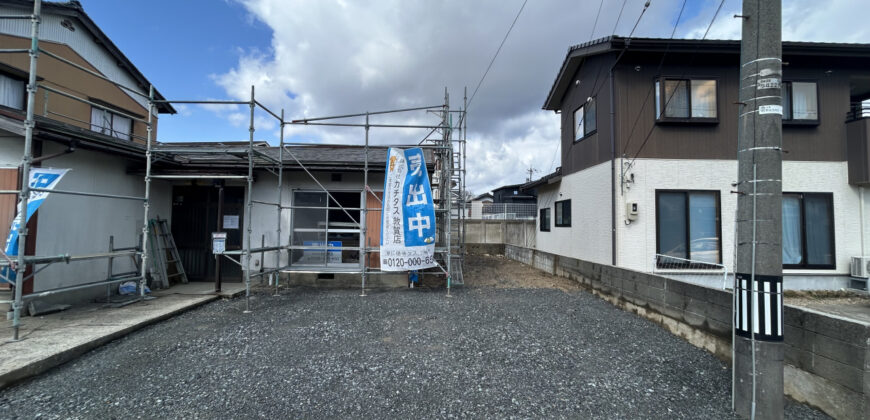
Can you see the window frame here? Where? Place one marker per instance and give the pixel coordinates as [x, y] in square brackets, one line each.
[805, 265]
[555, 213]
[661, 118]
[681, 264]
[586, 133]
[23, 81]
[541, 212]
[110, 131]
[792, 121]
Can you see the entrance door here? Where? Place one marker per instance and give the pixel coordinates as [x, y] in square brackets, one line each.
[194, 218]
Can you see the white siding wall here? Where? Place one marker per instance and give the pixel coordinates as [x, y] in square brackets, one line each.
[589, 237]
[637, 241]
[11, 149]
[81, 41]
[78, 225]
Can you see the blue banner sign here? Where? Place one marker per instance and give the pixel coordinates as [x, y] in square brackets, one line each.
[408, 216]
[44, 178]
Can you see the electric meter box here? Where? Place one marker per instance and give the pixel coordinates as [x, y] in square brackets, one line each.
[631, 210]
[218, 242]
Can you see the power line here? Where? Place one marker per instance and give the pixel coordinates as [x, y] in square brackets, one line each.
[495, 55]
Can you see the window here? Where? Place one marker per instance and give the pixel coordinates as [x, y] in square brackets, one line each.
[544, 220]
[686, 100]
[563, 213]
[584, 120]
[331, 233]
[808, 231]
[111, 124]
[688, 227]
[800, 101]
[11, 92]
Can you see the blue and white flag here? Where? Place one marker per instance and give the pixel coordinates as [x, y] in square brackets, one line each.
[408, 216]
[44, 178]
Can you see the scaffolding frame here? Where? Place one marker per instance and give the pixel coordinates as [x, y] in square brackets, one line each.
[446, 141]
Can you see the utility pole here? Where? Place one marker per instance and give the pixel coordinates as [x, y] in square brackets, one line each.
[758, 323]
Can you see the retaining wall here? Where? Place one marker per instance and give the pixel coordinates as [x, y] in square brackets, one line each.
[514, 232]
[827, 357]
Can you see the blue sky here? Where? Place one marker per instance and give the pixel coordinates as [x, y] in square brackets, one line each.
[179, 46]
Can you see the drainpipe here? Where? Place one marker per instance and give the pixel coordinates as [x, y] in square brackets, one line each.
[612, 171]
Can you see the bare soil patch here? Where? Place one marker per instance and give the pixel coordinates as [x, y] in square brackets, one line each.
[500, 272]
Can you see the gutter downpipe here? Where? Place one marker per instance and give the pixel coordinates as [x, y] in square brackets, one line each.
[612, 171]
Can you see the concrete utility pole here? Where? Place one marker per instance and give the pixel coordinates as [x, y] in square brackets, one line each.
[758, 326]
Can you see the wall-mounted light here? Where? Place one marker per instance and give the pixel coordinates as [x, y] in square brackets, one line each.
[637, 68]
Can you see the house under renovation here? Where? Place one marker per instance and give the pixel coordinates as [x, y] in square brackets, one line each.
[128, 208]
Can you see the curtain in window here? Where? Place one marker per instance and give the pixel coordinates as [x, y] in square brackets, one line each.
[101, 121]
[672, 224]
[11, 92]
[792, 250]
[676, 99]
[578, 124]
[819, 225]
[704, 98]
[804, 101]
[703, 231]
[590, 116]
[121, 127]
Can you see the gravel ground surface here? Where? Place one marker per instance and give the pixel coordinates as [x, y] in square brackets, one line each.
[314, 353]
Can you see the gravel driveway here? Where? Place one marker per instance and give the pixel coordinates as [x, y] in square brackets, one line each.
[313, 353]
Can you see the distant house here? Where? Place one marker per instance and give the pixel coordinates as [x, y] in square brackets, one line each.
[483, 198]
[648, 156]
[512, 194]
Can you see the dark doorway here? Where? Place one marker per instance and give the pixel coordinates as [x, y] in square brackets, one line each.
[194, 218]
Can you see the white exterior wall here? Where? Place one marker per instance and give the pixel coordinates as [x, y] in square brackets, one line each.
[265, 218]
[79, 225]
[589, 237]
[637, 241]
[81, 41]
[11, 150]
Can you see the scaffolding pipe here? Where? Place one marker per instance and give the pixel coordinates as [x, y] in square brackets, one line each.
[24, 196]
[313, 178]
[146, 204]
[250, 207]
[92, 73]
[93, 104]
[88, 194]
[365, 114]
[365, 125]
[363, 238]
[197, 176]
[280, 196]
[214, 102]
[14, 50]
[81, 286]
[264, 108]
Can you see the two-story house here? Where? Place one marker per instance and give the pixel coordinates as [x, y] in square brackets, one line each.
[84, 122]
[649, 149]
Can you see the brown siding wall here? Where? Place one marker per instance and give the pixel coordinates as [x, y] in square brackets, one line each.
[8, 181]
[823, 142]
[596, 148]
[69, 79]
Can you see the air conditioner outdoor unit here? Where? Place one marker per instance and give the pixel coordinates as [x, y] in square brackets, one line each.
[861, 267]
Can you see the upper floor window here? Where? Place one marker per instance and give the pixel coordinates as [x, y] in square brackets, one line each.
[800, 101]
[584, 120]
[11, 92]
[686, 100]
[111, 124]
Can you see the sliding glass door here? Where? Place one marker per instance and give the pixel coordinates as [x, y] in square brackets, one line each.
[331, 236]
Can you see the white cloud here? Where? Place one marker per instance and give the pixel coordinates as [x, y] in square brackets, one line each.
[335, 57]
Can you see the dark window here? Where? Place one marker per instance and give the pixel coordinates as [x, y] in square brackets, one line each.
[563, 213]
[687, 100]
[800, 102]
[11, 92]
[687, 227]
[585, 120]
[808, 231]
[544, 220]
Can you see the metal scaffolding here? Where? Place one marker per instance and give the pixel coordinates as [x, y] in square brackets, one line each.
[446, 141]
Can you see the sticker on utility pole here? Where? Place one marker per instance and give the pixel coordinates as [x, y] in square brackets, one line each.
[769, 83]
[408, 214]
[770, 109]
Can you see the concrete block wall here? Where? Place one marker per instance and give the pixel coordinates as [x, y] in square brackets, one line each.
[514, 232]
[827, 357]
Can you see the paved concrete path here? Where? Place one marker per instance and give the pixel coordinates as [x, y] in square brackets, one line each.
[315, 353]
[50, 340]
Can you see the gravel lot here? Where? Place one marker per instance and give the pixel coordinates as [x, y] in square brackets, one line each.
[487, 352]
